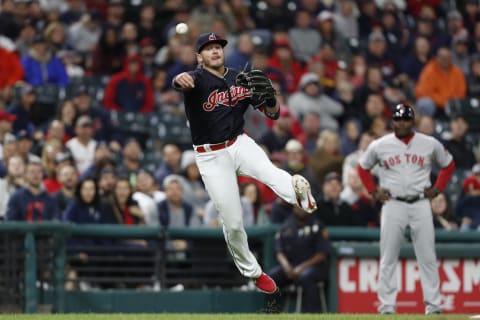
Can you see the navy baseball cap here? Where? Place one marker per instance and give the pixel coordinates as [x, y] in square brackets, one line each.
[207, 38]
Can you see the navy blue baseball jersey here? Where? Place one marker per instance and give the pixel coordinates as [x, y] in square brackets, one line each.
[215, 106]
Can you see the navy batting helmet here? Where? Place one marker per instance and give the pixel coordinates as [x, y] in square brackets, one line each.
[403, 111]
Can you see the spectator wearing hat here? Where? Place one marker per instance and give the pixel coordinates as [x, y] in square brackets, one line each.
[13, 180]
[460, 148]
[103, 154]
[378, 55]
[104, 130]
[42, 67]
[130, 90]
[73, 12]
[108, 57]
[31, 203]
[131, 161]
[365, 210]
[302, 248]
[84, 34]
[68, 178]
[454, 27]
[467, 207]
[332, 210]
[148, 197]
[311, 98]
[83, 145]
[283, 59]
[11, 70]
[295, 163]
[440, 80]
[25, 144]
[331, 35]
[28, 111]
[275, 139]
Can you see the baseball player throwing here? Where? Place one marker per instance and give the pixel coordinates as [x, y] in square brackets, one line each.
[216, 98]
[405, 158]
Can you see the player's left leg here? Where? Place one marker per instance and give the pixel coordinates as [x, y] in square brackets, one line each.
[252, 161]
[220, 180]
[423, 238]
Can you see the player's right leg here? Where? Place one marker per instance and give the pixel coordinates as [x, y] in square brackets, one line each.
[252, 161]
[218, 174]
[394, 220]
[423, 239]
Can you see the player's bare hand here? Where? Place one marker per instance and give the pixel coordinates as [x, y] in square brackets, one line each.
[431, 192]
[185, 81]
[381, 195]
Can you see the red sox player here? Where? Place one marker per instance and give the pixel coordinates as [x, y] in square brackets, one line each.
[215, 105]
[405, 158]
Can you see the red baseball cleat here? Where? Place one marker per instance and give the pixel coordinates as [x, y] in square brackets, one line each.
[266, 284]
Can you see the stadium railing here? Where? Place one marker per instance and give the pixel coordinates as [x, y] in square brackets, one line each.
[36, 260]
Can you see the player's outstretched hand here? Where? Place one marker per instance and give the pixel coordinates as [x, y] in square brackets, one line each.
[431, 192]
[381, 195]
[185, 81]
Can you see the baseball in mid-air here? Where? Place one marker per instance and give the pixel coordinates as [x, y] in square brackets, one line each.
[181, 28]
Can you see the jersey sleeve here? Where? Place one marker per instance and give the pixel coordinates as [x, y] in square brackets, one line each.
[441, 154]
[369, 158]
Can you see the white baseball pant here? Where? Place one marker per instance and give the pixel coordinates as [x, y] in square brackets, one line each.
[396, 215]
[219, 170]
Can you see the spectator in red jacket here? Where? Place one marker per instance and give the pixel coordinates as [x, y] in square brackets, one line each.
[129, 90]
[10, 67]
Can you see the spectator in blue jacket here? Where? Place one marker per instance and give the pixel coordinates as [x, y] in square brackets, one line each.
[32, 203]
[42, 67]
[86, 206]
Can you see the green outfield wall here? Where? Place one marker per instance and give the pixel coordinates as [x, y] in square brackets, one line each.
[347, 242]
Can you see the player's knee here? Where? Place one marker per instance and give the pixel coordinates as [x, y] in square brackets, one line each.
[234, 226]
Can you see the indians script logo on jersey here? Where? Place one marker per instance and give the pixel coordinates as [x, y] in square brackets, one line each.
[223, 98]
[407, 157]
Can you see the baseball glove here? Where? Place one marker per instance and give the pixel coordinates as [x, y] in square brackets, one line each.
[258, 83]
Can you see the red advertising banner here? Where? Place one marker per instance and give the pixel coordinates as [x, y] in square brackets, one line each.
[358, 280]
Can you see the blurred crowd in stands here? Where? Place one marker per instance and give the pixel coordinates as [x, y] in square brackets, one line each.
[85, 87]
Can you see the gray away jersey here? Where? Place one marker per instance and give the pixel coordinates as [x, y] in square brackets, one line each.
[405, 168]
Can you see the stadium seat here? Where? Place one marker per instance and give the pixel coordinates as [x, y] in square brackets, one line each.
[298, 292]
